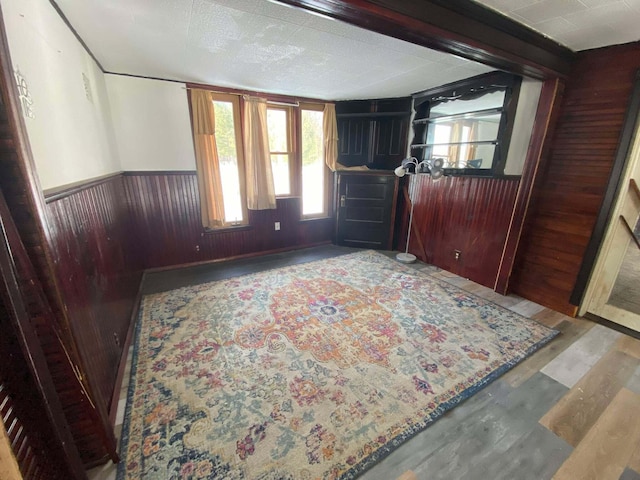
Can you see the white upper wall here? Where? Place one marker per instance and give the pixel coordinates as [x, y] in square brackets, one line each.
[71, 137]
[523, 126]
[151, 123]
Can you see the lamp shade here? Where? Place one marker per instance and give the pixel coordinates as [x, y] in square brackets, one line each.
[400, 171]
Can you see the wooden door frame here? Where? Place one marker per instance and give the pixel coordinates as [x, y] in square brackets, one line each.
[35, 207]
[614, 187]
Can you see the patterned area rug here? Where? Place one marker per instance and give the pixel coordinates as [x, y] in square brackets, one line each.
[313, 371]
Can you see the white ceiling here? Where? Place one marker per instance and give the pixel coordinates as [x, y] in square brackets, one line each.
[264, 46]
[577, 24]
[257, 45]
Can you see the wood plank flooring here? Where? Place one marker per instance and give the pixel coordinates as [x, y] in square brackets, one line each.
[570, 411]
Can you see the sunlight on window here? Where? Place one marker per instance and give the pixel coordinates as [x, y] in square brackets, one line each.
[313, 169]
[277, 127]
[442, 135]
[228, 158]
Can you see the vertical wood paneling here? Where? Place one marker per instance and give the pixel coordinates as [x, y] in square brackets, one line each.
[468, 214]
[22, 412]
[569, 192]
[98, 277]
[165, 212]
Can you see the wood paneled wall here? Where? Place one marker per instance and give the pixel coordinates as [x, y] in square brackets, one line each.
[98, 276]
[467, 214]
[569, 192]
[165, 211]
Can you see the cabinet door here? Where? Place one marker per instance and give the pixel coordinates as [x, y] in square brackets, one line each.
[366, 210]
[389, 146]
[354, 141]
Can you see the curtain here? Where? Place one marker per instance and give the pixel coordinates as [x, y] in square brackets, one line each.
[259, 176]
[473, 133]
[454, 150]
[207, 164]
[330, 133]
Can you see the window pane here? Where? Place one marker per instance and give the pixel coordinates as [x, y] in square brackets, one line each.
[228, 157]
[277, 128]
[280, 167]
[313, 171]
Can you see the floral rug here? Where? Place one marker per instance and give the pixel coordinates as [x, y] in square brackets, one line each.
[313, 371]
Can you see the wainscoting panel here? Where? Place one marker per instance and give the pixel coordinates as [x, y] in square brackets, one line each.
[98, 277]
[466, 214]
[165, 210]
[570, 189]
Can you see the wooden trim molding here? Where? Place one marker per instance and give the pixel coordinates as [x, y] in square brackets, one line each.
[613, 187]
[457, 27]
[544, 124]
[64, 18]
[10, 246]
[35, 235]
[133, 173]
[57, 193]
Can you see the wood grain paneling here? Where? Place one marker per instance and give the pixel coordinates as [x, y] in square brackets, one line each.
[569, 191]
[90, 233]
[165, 214]
[467, 214]
[83, 409]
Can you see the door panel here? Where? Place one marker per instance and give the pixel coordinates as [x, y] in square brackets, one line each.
[613, 291]
[366, 210]
[354, 141]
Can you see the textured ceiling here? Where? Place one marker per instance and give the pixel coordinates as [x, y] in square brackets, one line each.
[578, 24]
[264, 46]
[257, 45]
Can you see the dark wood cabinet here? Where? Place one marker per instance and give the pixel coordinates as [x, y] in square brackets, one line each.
[373, 132]
[389, 143]
[365, 208]
[354, 140]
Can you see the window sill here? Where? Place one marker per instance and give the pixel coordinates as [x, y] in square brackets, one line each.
[230, 228]
[311, 219]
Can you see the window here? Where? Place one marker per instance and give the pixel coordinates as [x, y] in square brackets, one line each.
[314, 198]
[468, 124]
[302, 174]
[228, 139]
[295, 137]
[280, 147]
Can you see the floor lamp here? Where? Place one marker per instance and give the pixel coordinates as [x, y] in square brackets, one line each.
[401, 171]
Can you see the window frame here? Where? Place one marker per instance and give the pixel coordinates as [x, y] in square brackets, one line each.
[326, 213]
[237, 123]
[471, 87]
[292, 154]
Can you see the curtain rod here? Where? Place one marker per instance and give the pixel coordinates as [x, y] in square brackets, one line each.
[271, 102]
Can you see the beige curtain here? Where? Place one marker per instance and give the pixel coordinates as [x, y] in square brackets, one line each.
[207, 164]
[473, 133]
[330, 132]
[259, 176]
[456, 135]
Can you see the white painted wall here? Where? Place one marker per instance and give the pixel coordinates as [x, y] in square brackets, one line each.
[523, 126]
[151, 123]
[71, 137]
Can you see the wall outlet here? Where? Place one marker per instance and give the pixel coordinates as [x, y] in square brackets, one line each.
[276, 226]
[456, 254]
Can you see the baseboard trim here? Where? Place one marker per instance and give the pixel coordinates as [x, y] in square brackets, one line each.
[115, 396]
[237, 257]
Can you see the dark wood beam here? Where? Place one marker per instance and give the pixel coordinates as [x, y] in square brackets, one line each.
[545, 122]
[458, 27]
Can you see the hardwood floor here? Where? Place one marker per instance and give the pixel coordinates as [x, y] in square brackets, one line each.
[569, 411]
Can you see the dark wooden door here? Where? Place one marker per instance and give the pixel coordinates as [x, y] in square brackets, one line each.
[389, 142]
[366, 209]
[354, 134]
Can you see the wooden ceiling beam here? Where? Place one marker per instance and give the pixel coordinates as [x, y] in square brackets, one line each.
[458, 27]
